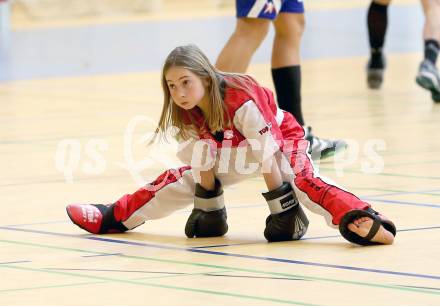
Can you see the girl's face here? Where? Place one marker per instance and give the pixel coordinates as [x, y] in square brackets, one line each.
[186, 88]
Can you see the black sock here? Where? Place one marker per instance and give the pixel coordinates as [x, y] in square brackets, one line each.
[377, 20]
[287, 81]
[376, 59]
[431, 50]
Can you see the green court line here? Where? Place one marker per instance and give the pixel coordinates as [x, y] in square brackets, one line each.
[102, 282]
[105, 282]
[152, 277]
[382, 174]
[134, 282]
[189, 263]
[50, 286]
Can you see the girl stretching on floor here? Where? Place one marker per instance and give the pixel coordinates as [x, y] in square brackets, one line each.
[224, 119]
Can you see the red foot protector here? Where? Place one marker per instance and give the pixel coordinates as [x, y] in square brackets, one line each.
[86, 216]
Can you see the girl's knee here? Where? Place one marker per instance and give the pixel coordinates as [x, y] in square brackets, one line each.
[252, 29]
[290, 26]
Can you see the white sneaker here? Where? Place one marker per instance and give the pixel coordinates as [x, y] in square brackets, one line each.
[429, 78]
[322, 148]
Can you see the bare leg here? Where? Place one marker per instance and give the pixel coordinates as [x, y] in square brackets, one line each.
[286, 75]
[286, 46]
[431, 28]
[286, 72]
[247, 37]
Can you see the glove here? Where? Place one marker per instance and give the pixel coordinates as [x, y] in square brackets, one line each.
[287, 220]
[208, 218]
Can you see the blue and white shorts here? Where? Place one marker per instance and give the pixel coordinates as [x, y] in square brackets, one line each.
[268, 9]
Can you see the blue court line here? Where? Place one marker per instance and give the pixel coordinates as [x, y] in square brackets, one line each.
[272, 259]
[403, 193]
[402, 202]
[90, 236]
[233, 207]
[311, 238]
[194, 290]
[366, 198]
[97, 255]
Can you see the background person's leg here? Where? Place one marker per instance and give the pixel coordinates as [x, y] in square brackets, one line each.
[428, 76]
[286, 75]
[377, 23]
[241, 46]
[286, 69]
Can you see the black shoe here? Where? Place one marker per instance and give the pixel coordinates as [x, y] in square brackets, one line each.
[375, 70]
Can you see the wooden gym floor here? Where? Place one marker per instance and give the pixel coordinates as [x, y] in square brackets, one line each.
[50, 127]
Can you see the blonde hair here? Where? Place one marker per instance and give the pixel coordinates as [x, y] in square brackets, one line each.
[192, 58]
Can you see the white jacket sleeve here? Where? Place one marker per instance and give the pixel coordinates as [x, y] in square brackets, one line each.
[251, 123]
